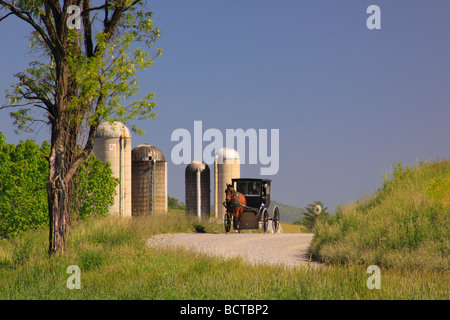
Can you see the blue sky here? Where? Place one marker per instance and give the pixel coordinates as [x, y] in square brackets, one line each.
[348, 101]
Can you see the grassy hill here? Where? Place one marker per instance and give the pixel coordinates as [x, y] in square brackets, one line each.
[405, 224]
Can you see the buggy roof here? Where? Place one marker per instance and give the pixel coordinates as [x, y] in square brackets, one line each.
[252, 179]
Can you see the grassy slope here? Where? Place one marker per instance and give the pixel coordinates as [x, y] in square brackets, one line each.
[404, 225]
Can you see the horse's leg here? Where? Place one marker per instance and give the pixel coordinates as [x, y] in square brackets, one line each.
[238, 220]
[240, 211]
[236, 226]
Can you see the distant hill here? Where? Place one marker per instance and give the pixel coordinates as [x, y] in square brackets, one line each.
[287, 213]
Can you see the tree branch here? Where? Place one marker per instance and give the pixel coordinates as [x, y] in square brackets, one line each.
[111, 25]
[90, 140]
[26, 17]
[49, 25]
[86, 151]
[103, 6]
[6, 16]
[88, 44]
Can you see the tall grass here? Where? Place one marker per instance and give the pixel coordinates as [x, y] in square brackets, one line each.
[115, 263]
[404, 225]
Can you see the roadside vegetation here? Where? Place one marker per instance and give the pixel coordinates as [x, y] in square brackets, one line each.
[115, 263]
[405, 225]
[23, 197]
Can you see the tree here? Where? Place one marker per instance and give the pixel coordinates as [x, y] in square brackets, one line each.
[23, 199]
[173, 203]
[310, 218]
[81, 79]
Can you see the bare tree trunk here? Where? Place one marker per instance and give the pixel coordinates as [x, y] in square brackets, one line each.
[60, 190]
[57, 217]
[56, 195]
[61, 160]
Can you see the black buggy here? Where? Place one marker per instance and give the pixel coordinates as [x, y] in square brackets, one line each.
[257, 196]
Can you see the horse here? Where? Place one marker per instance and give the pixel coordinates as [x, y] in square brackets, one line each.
[235, 204]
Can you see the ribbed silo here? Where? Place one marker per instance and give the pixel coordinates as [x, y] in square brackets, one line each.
[149, 181]
[113, 144]
[226, 167]
[197, 189]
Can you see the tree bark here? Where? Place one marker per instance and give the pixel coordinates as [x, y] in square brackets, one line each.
[57, 195]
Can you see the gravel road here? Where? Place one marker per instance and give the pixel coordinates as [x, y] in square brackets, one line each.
[289, 249]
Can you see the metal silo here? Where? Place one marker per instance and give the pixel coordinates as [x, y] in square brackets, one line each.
[149, 181]
[113, 145]
[197, 186]
[226, 167]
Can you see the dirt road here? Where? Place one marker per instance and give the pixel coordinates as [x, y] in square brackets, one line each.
[288, 249]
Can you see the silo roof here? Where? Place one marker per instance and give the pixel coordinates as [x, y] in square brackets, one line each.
[143, 152]
[227, 154]
[195, 165]
[112, 130]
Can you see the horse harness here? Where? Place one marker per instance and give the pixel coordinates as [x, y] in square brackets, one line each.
[238, 203]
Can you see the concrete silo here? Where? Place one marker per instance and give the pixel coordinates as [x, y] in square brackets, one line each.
[226, 167]
[113, 144]
[149, 181]
[197, 189]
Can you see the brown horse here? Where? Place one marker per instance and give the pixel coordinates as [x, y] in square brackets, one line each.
[235, 204]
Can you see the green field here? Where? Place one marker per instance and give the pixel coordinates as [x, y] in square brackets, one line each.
[116, 264]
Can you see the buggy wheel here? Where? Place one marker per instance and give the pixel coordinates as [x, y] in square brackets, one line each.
[227, 223]
[265, 224]
[276, 219]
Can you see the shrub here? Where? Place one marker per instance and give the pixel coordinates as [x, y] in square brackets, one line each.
[23, 196]
[94, 187]
[23, 192]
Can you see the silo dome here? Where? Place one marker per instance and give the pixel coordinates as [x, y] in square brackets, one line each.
[145, 152]
[149, 181]
[227, 155]
[112, 130]
[197, 189]
[226, 167]
[113, 145]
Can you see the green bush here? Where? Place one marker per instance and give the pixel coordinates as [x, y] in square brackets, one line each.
[23, 195]
[23, 192]
[94, 187]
